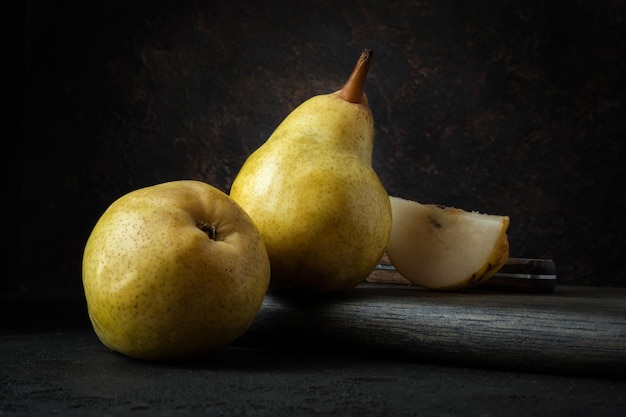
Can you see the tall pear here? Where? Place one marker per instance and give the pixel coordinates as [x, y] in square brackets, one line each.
[322, 211]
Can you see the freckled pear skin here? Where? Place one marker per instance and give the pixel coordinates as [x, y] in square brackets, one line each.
[173, 271]
[322, 211]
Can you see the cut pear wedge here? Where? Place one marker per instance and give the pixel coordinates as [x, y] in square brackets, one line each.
[445, 248]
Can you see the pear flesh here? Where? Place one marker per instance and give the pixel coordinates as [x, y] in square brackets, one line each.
[446, 248]
[322, 211]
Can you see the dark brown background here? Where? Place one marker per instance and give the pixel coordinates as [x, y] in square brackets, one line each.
[505, 107]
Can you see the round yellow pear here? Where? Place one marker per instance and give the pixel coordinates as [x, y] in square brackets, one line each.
[173, 271]
[322, 211]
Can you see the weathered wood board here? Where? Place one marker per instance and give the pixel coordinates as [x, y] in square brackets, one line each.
[574, 330]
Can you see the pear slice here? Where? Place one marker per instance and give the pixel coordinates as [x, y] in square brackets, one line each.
[445, 248]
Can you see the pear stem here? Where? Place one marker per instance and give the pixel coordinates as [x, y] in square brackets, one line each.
[352, 90]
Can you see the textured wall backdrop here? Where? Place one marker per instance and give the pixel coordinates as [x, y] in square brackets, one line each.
[505, 107]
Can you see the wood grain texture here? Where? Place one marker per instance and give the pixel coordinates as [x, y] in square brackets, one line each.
[574, 330]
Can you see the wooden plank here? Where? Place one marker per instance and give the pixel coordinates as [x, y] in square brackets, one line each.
[573, 330]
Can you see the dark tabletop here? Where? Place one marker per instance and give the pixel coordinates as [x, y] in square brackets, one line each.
[53, 364]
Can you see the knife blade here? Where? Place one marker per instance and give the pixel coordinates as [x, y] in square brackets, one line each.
[528, 275]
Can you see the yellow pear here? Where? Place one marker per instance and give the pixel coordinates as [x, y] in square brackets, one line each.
[322, 211]
[172, 271]
[446, 248]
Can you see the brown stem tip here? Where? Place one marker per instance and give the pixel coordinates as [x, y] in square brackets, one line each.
[352, 90]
